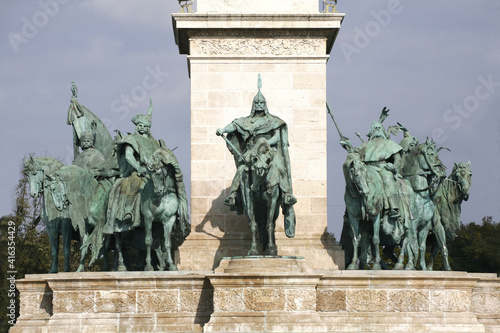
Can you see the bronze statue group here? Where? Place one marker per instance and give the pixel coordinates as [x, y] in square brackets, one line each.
[128, 192]
[395, 195]
[111, 195]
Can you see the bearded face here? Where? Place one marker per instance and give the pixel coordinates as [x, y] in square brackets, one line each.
[377, 132]
[142, 129]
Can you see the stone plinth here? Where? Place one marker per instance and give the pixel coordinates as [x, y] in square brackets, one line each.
[227, 49]
[114, 302]
[264, 294]
[260, 295]
[401, 301]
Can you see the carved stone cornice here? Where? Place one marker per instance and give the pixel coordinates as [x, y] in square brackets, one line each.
[258, 47]
[188, 26]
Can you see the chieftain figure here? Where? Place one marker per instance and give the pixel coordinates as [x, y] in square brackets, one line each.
[150, 189]
[133, 152]
[90, 158]
[259, 142]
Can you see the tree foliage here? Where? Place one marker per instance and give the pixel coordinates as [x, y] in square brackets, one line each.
[477, 247]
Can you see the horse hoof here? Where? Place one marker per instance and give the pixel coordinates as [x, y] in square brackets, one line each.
[376, 267]
[399, 266]
[271, 252]
[410, 268]
[253, 252]
[53, 271]
[81, 268]
[149, 268]
[352, 267]
[122, 268]
[172, 268]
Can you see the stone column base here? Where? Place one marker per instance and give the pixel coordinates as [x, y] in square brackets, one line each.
[264, 294]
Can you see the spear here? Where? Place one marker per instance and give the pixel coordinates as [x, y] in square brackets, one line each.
[342, 137]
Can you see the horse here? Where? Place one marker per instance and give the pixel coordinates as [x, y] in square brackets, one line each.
[262, 198]
[448, 198]
[162, 199]
[364, 199]
[420, 169]
[71, 189]
[45, 176]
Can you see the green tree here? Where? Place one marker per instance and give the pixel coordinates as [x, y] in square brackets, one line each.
[476, 248]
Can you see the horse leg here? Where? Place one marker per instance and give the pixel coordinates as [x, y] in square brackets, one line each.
[119, 253]
[441, 243]
[148, 228]
[271, 244]
[53, 230]
[83, 253]
[253, 229]
[376, 242]
[365, 255]
[422, 239]
[356, 235]
[67, 233]
[434, 252]
[168, 225]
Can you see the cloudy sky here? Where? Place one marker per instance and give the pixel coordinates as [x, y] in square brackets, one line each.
[435, 64]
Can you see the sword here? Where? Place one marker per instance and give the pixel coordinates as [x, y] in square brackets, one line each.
[240, 155]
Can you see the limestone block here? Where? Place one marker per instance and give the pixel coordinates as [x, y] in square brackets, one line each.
[73, 302]
[408, 301]
[265, 299]
[35, 297]
[331, 300]
[300, 299]
[196, 301]
[229, 299]
[157, 301]
[115, 301]
[486, 303]
[366, 300]
[450, 301]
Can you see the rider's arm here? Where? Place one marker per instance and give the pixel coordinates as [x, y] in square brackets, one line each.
[397, 160]
[228, 129]
[130, 157]
[275, 138]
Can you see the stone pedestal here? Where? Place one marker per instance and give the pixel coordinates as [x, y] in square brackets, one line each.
[228, 44]
[402, 301]
[114, 302]
[264, 295]
[260, 295]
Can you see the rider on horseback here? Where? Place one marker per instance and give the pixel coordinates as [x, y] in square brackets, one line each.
[133, 153]
[244, 133]
[384, 154]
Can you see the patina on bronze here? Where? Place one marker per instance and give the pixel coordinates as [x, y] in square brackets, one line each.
[263, 181]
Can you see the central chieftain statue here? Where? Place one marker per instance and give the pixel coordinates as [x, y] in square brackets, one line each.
[263, 181]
